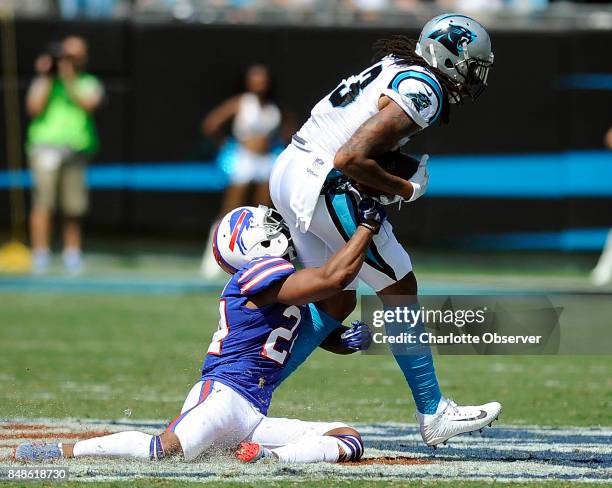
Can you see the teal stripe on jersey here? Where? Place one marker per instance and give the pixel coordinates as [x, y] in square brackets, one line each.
[347, 214]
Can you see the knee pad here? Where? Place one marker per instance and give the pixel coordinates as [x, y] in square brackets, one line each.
[352, 446]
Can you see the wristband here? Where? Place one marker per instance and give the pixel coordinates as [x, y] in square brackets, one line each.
[373, 227]
[417, 191]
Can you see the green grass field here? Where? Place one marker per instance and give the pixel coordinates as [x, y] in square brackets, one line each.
[99, 356]
[118, 355]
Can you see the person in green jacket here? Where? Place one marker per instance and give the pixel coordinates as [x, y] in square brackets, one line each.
[61, 139]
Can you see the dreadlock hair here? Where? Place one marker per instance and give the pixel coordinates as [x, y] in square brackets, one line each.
[403, 50]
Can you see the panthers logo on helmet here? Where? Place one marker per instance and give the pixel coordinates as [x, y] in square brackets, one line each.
[239, 222]
[420, 101]
[452, 37]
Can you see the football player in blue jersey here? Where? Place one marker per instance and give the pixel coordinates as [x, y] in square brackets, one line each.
[262, 310]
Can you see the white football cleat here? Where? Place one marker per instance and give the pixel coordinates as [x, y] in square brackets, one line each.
[451, 420]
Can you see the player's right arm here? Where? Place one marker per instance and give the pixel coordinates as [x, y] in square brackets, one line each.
[313, 284]
[378, 135]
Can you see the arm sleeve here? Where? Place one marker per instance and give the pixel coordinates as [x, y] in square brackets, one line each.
[261, 273]
[418, 94]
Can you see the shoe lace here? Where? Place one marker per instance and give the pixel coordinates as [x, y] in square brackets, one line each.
[452, 407]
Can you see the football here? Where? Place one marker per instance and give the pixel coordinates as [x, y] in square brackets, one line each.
[396, 163]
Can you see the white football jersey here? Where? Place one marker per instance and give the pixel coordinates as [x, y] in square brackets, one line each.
[340, 113]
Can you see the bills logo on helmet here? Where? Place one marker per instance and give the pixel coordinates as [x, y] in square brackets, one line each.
[239, 222]
[452, 37]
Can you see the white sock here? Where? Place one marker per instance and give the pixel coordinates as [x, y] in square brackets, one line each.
[123, 444]
[310, 450]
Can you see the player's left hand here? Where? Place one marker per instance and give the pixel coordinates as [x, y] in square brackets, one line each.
[358, 337]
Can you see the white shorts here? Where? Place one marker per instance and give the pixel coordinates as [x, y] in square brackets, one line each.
[216, 417]
[250, 167]
[332, 225]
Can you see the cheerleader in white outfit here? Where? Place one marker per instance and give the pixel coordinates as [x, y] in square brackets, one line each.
[256, 120]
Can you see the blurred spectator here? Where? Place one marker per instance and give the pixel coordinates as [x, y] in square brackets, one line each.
[294, 4]
[256, 120]
[470, 5]
[608, 138]
[28, 7]
[371, 6]
[407, 5]
[492, 5]
[70, 9]
[61, 139]
[602, 273]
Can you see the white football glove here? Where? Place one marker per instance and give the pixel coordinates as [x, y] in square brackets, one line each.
[420, 180]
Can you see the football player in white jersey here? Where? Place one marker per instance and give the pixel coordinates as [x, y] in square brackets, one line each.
[411, 85]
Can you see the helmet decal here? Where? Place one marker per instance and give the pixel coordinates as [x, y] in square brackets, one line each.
[452, 37]
[239, 222]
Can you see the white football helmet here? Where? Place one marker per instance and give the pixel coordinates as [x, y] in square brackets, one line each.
[247, 233]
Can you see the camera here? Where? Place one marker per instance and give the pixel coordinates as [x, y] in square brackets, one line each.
[55, 51]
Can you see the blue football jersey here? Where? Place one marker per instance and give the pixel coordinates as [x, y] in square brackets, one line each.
[251, 346]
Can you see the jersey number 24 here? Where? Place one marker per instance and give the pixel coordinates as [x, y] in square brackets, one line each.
[271, 348]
